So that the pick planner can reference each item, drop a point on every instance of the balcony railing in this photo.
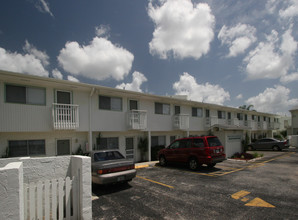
(137, 119)
(181, 122)
(65, 116)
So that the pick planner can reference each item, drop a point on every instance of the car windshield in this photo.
(111, 155)
(213, 142)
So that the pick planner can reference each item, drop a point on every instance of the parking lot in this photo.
(266, 188)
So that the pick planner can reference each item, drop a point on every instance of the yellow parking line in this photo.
(141, 166)
(172, 187)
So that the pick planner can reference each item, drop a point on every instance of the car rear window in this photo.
(111, 155)
(213, 142)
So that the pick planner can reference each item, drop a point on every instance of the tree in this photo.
(245, 107)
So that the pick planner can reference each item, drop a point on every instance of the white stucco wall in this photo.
(11, 191)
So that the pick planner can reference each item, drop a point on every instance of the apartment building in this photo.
(47, 117)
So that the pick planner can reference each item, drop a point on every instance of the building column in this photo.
(149, 145)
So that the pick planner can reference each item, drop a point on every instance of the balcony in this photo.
(65, 116)
(181, 122)
(137, 119)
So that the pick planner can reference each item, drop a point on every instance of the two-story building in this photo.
(46, 117)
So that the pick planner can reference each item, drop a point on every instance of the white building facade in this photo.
(48, 117)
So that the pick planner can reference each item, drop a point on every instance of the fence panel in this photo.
(50, 199)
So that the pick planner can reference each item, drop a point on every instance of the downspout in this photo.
(149, 145)
(90, 120)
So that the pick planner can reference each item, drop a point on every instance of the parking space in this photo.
(230, 190)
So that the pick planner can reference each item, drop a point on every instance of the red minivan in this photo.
(194, 151)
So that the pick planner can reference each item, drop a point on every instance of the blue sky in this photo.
(224, 52)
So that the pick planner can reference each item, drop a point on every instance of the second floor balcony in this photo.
(181, 122)
(137, 119)
(65, 116)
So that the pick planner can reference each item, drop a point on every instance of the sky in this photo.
(230, 52)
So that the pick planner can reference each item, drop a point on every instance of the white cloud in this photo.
(289, 78)
(240, 96)
(208, 93)
(73, 79)
(238, 38)
(290, 11)
(135, 85)
(43, 7)
(271, 60)
(102, 30)
(274, 100)
(57, 74)
(33, 62)
(99, 60)
(181, 29)
(42, 56)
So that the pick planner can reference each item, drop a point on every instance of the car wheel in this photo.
(162, 161)
(193, 164)
(211, 165)
(250, 148)
(275, 148)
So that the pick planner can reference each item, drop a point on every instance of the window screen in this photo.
(16, 94)
(26, 148)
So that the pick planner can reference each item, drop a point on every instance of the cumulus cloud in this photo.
(237, 38)
(33, 62)
(274, 100)
(290, 11)
(99, 60)
(57, 74)
(271, 59)
(182, 29)
(208, 93)
(135, 85)
(73, 79)
(43, 6)
(42, 56)
(289, 78)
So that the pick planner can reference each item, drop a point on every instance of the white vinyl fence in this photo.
(51, 199)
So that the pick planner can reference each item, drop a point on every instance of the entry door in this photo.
(129, 148)
(63, 147)
(133, 105)
(63, 97)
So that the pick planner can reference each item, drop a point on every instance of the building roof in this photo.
(66, 84)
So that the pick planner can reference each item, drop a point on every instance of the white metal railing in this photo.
(137, 119)
(52, 199)
(181, 122)
(65, 116)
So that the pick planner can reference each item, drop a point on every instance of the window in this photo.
(26, 148)
(198, 142)
(197, 112)
(221, 114)
(25, 95)
(245, 117)
(240, 116)
(265, 118)
(186, 143)
(161, 108)
(253, 117)
(177, 110)
(207, 112)
(110, 103)
(213, 142)
(229, 115)
(63, 97)
(107, 143)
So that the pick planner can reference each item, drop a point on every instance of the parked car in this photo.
(268, 144)
(194, 151)
(110, 166)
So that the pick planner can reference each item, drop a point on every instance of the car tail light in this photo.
(115, 169)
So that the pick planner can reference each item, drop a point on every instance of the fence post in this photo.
(81, 168)
(12, 191)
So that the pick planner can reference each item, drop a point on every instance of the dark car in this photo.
(110, 166)
(268, 144)
(194, 151)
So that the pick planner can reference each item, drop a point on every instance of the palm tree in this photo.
(245, 107)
